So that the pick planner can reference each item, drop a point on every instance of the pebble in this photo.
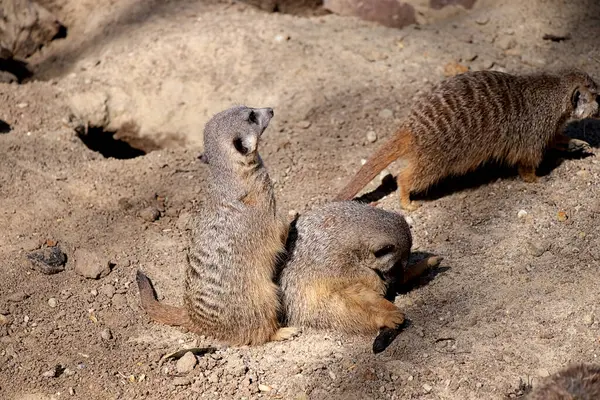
(479, 385)
(304, 124)
(186, 363)
(90, 264)
(48, 261)
(537, 248)
(108, 290)
(363, 161)
(71, 391)
(4, 320)
(293, 214)
(17, 297)
(281, 38)
(22, 105)
(264, 388)
(588, 319)
(522, 214)
(427, 387)
(52, 302)
(386, 113)
(106, 334)
(181, 381)
(371, 137)
(119, 301)
(506, 42)
(94, 292)
(50, 374)
(482, 20)
(543, 373)
(149, 214)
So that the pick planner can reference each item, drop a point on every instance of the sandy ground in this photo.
(517, 297)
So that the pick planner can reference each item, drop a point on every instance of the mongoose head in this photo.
(583, 95)
(579, 381)
(231, 137)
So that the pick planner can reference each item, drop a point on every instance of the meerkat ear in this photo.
(246, 144)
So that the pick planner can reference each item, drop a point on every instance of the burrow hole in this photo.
(122, 144)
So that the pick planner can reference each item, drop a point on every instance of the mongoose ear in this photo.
(203, 158)
(246, 144)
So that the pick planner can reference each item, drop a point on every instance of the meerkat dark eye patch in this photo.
(575, 98)
(239, 146)
(252, 118)
(384, 251)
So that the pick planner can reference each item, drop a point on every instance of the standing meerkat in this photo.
(237, 240)
(342, 259)
(479, 117)
(577, 382)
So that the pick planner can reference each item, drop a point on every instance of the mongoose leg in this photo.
(527, 173)
(405, 179)
(418, 269)
(564, 143)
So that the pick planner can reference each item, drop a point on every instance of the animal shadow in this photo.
(586, 129)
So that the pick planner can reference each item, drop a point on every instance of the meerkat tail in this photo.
(165, 314)
(397, 146)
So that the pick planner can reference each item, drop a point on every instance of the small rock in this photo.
(522, 214)
(186, 363)
(213, 378)
(427, 387)
(181, 381)
(119, 301)
(281, 38)
(4, 320)
(149, 214)
(51, 373)
(90, 265)
(68, 372)
(479, 385)
(17, 297)
(22, 105)
(588, 319)
(264, 388)
(363, 161)
(371, 137)
(94, 292)
(106, 334)
(304, 124)
(293, 214)
(332, 375)
(506, 42)
(386, 113)
(52, 302)
(482, 20)
(108, 290)
(543, 373)
(71, 391)
(562, 216)
(537, 248)
(49, 260)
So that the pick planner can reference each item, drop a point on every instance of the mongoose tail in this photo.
(165, 314)
(393, 149)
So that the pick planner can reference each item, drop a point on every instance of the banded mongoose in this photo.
(479, 117)
(576, 382)
(342, 259)
(237, 240)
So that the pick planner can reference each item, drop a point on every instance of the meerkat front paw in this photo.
(285, 333)
(579, 146)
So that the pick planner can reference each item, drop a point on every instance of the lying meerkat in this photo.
(238, 238)
(479, 117)
(577, 382)
(342, 259)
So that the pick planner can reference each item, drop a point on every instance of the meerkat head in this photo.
(583, 95)
(232, 136)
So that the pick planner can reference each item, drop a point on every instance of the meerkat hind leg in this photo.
(284, 334)
(527, 173)
(564, 143)
(404, 180)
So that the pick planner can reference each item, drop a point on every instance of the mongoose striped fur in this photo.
(342, 258)
(238, 239)
(479, 117)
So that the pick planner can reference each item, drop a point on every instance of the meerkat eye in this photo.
(239, 146)
(384, 251)
(252, 118)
